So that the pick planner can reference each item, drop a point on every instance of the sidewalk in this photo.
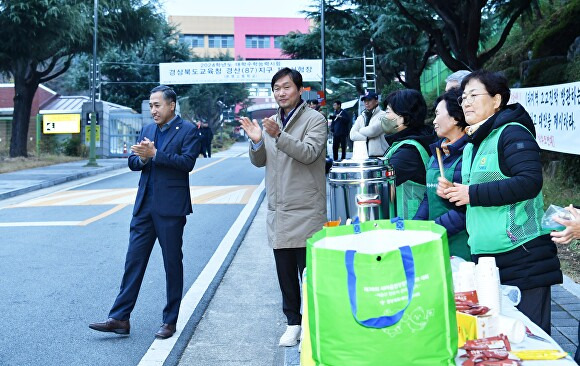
(29, 180)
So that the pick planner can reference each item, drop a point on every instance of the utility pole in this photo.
(92, 146)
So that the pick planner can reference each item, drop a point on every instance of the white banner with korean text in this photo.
(217, 72)
(555, 110)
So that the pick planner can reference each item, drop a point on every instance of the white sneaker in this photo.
(290, 336)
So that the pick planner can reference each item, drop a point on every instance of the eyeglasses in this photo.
(470, 98)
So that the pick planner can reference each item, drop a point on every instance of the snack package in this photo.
(548, 218)
(546, 354)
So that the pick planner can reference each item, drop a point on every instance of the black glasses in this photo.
(469, 99)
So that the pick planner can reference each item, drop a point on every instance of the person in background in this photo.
(450, 126)
(502, 189)
(313, 103)
(367, 126)
(207, 138)
(566, 236)
(339, 128)
(165, 155)
(202, 137)
(409, 148)
(454, 80)
(292, 147)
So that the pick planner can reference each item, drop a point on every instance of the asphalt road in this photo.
(62, 256)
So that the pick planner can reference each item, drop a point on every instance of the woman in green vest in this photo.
(450, 126)
(502, 189)
(409, 147)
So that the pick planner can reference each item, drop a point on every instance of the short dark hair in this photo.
(494, 82)
(313, 101)
(294, 75)
(168, 93)
(338, 102)
(409, 104)
(453, 109)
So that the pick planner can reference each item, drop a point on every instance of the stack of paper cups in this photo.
(464, 278)
(488, 284)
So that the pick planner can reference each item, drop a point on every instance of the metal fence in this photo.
(124, 132)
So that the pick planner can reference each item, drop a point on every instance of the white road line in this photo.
(39, 223)
(160, 349)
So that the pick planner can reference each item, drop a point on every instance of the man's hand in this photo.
(271, 127)
(458, 194)
(572, 230)
(144, 149)
(252, 128)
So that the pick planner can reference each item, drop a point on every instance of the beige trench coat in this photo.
(295, 179)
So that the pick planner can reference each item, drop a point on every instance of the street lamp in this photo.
(336, 80)
(92, 146)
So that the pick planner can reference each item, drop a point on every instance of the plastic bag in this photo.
(555, 211)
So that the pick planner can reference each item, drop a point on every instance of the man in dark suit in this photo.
(165, 154)
(340, 128)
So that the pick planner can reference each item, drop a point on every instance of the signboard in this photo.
(61, 123)
(216, 72)
(555, 110)
(97, 133)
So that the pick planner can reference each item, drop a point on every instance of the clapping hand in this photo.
(252, 128)
(271, 127)
(144, 149)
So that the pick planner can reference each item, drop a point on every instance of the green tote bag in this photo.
(381, 293)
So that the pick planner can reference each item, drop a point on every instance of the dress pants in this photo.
(146, 227)
(290, 265)
(338, 141)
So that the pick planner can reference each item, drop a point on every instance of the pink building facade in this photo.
(246, 38)
(250, 31)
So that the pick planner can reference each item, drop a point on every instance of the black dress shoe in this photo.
(112, 325)
(166, 331)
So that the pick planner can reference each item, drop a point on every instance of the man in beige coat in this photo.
(292, 147)
(367, 126)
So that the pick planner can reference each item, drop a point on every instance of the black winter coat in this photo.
(407, 160)
(341, 124)
(535, 263)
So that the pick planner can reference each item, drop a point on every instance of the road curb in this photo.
(168, 352)
(61, 180)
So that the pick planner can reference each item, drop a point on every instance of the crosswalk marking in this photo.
(126, 196)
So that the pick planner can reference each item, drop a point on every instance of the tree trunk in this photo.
(24, 90)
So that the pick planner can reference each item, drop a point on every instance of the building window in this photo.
(257, 41)
(257, 90)
(192, 40)
(221, 41)
(278, 41)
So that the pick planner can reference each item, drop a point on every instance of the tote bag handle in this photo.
(387, 320)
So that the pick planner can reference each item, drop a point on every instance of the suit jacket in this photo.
(173, 162)
(341, 123)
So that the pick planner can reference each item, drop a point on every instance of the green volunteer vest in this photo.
(501, 228)
(438, 206)
(409, 194)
